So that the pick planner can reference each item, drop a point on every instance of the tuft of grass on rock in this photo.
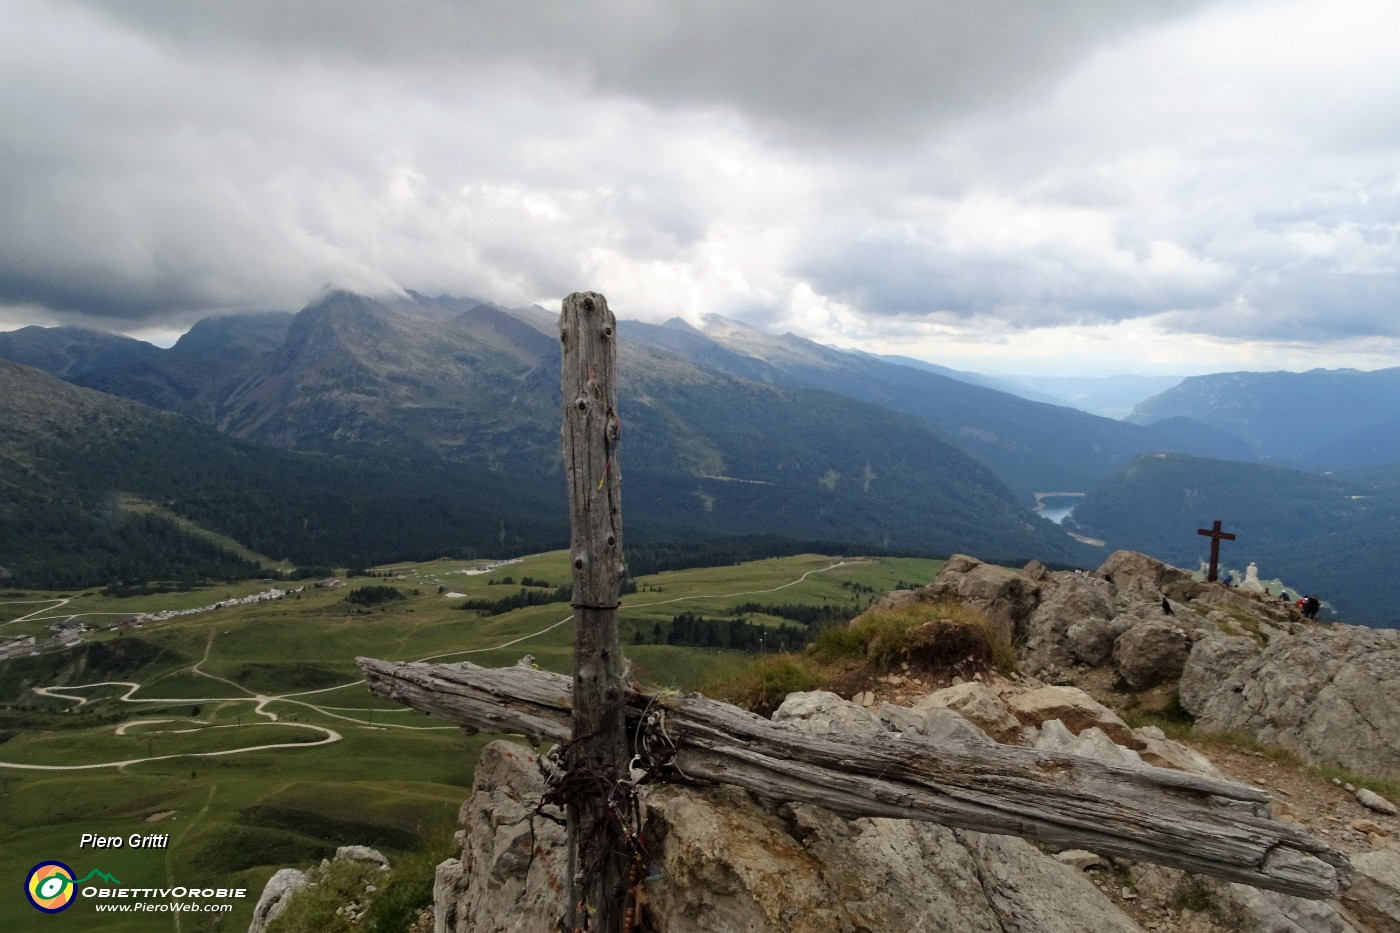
(928, 635)
(764, 684)
(322, 906)
(1171, 717)
(1193, 896)
(925, 636)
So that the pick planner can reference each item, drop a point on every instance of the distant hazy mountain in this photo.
(1337, 536)
(425, 389)
(214, 353)
(1109, 396)
(73, 353)
(1034, 447)
(1334, 419)
(977, 379)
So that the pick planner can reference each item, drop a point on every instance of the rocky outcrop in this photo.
(1237, 661)
(1007, 597)
(1210, 663)
(1116, 617)
(1151, 652)
(722, 860)
(1327, 692)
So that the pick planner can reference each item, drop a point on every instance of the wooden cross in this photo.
(1216, 536)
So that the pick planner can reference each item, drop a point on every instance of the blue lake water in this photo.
(1056, 508)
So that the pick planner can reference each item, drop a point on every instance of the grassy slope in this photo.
(397, 778)
(139, 506)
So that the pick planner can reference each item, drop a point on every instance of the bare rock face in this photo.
(720, 859)
(1211, 662)
(448, 883)
(1140, 578)
(1090, 743)
(1328, 693)
(1239, 662)
(1063, 619)
(1227, 906)
(511, 875)
(1163, 752)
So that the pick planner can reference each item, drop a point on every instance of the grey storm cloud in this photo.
(829, 67)
(1221, 168)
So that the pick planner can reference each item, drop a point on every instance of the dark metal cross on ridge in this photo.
(1216, 536)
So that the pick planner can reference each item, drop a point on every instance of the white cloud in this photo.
(1211, 176)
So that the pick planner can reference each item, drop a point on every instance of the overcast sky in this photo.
(1001, 185)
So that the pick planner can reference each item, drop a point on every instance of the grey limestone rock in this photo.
(1090, 743)
(823, 711)
(275, 896)
(976, 703)
(1374, 801)
(935, 722)
(1008, 597)
(362, 854)
(1072, 707)
(448, 882)
(1151, 652)
(946, 726)
(512, 867)
(1374, 896)
(1271, 912)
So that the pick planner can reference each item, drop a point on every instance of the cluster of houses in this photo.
(14, 647)
(65, 634)
(486, 568)
(70, 632)
(266, 596)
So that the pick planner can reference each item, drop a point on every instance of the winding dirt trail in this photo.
(262, 700)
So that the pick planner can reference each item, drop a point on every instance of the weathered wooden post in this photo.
(599, 857)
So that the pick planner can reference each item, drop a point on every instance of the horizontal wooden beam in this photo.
(1160, 815)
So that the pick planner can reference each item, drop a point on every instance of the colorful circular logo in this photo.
(50, 887)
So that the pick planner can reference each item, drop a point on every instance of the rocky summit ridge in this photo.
(1135, 632)
(1144, 632)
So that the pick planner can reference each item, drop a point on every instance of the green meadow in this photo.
(282, 673)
